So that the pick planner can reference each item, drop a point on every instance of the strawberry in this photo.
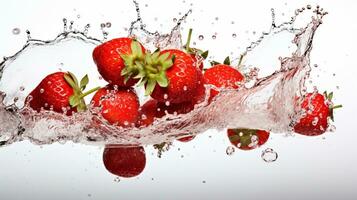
(223, 76)
(60, 92)
(148, 113)
(243, 138)
(186, 139)
(176, 75)
(116, 60)
(124, 161)
(196, 54)
(318, 110)
(118, 106)
(153, 109)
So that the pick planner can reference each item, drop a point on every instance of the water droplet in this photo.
(78, 16)
(42, 90)
(314, 121)
(108, 24)
(308, 7)
(214, 37)
(216, 18)
(102, 25)
(269, 155)
(117, 179)
(203, 181)
(166, 96)
(174, 20)
(230, 150)
(167, 103)
(22, 88)
(200, 37)
(234, 35)
(185, 88)
(16, 31)
(146, 5)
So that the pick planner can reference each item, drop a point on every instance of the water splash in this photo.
(257, 106)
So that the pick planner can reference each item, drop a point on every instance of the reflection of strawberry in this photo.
(222, 76)
(114, 56)
(124, 161)
(247, 139)
(315, 121)
(60, 92)
(148, 113)
(117, 105)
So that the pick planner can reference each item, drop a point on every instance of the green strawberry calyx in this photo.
(77, 99)
(329, 97)
(149, 68)
(243, 136)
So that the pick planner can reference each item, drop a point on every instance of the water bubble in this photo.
(269, 155)
(167, 103)
(174, 20)
(234, 35)
(102, 25)
(42, 90)
(314, 121)
(230, 150)
(78, 16)
(108, 24)
(200, 37)
(117, 179)
(214, 37)
(16, 31)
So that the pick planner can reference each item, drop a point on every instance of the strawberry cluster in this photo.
(174, 79)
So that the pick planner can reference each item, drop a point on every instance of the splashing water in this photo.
(267, 103)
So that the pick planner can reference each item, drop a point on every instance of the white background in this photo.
(307, 168)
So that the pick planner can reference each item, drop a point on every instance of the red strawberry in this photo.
(315, 122)
(118, 106)
(243, 138)
(114, 56)
(186, 139)
(222, 76)
(197, 55)
(60, 92)
(181, 78)
(124, 161)
(148, 113)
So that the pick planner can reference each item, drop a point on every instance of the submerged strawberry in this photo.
(124, 161)
(223, 76)
(60, 92)
(118, 106)
(315, 121)
(116, 60)
(247, 139)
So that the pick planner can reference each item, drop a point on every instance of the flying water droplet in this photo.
(200, 37)
(269, 155)
(117, 179)
(234, 35)
(16, 31)
(230, 150)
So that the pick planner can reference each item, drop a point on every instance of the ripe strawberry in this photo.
(116, 60)
(177, 79)
(60, 92)
(124, 161)
(186, 139)
(315, 121)
(196, 54)
(153, 109)
(222, 76)
(118, 106)
(148, 113)
(247, 139)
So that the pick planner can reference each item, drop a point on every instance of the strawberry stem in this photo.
(337, 106)
(188, 40)
(88, 92)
